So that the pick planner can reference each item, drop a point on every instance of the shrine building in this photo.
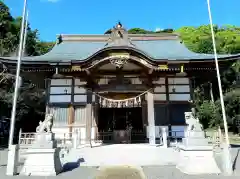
(100, 84)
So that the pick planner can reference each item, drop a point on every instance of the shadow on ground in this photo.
(235, 145)
(67, 167)
(235, 161)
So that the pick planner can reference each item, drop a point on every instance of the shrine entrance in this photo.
(120, 119)
(121, 125)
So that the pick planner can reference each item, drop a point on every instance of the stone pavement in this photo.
(152, 172)
(123, 154)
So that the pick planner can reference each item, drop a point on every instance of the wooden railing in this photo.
(130, 137)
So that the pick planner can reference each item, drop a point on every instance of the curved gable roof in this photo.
(154, 46)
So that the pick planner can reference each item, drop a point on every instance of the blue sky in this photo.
(53, 17)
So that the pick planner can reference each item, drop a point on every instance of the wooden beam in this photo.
(150, 71)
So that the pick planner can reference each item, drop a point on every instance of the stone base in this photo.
(42, 162)
(12, 162)
(197, 160)
(44, 140)
(195, 141)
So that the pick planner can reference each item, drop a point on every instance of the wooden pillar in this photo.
(89, 117)
(144, 115)
(70, 117)
(151, 120)
(168, 108)
(144, 111)
(94, 121)
(71, 108)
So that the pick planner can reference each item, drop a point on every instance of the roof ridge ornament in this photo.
(119, 25)
(119, 36)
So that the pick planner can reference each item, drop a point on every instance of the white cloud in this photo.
(158, 29)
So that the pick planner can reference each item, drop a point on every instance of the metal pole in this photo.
(15, 97)
(228, 157)
(211, 92)
(25, 34)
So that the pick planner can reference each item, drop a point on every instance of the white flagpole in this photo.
(15, 97)
(25, 34)
(227, 149)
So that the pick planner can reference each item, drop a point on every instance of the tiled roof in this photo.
(156, 47)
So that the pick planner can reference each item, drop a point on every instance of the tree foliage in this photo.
(31, 100)
(210, 112)
(30, 97)
(10, 34)
(199, 39)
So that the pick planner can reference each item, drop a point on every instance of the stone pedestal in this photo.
(197, 160)
(12, 162)
(195, 138)
(227, 165)
(43, 157)
(195, 154)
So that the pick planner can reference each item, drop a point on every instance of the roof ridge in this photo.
(105, 37)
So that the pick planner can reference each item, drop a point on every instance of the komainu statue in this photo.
(46, 125)
(193, 122)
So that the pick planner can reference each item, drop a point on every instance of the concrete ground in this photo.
(163, 162)
(123, 154)
(151, 172)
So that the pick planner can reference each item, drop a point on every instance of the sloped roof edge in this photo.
(69, 51)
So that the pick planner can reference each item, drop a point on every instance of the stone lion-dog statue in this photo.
(46, 125)
(192, 122)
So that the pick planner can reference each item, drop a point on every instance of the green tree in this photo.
(199, 39)
(30, 97)
(10, 33)
(139, 31)
(44, 47)
(7, 37)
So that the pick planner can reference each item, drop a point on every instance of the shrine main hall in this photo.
(103, 86)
